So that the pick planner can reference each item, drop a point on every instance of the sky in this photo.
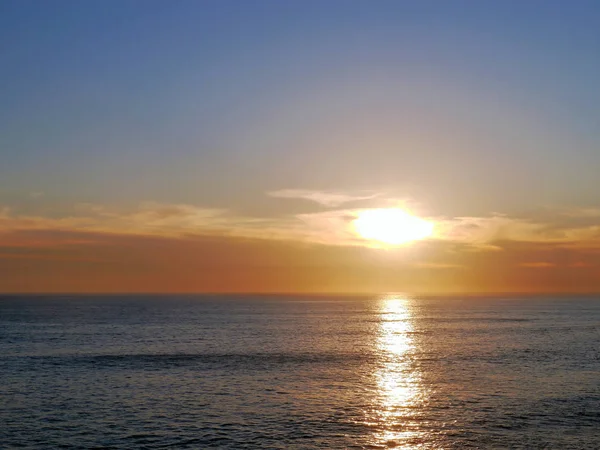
(227, 146)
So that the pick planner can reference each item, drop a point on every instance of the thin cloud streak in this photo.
(433, 265)
(329, 199)
(537, 265)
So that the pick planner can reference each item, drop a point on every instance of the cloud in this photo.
(581, 212)
(485, 231)
(537, 265)
(181, 220)
(580, 265)
(433, 265)
(329, 199)
(332, 227)
(148, 218)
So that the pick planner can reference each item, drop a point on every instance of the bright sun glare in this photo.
(391, 226)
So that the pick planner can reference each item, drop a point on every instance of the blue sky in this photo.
(217, 102)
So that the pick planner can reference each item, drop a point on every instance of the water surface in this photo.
(299, 372)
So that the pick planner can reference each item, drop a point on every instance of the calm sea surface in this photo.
(200, 372)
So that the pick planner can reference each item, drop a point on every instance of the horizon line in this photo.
(308, 294)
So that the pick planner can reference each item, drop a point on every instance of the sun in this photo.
(391, 226)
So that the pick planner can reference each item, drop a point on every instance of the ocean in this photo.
(299, 372)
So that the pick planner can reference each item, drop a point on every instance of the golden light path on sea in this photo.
(399, 384)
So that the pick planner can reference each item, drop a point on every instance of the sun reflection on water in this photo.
(399, 385)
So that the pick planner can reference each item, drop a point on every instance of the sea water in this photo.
(306, 372)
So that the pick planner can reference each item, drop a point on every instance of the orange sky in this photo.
(180, 249)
